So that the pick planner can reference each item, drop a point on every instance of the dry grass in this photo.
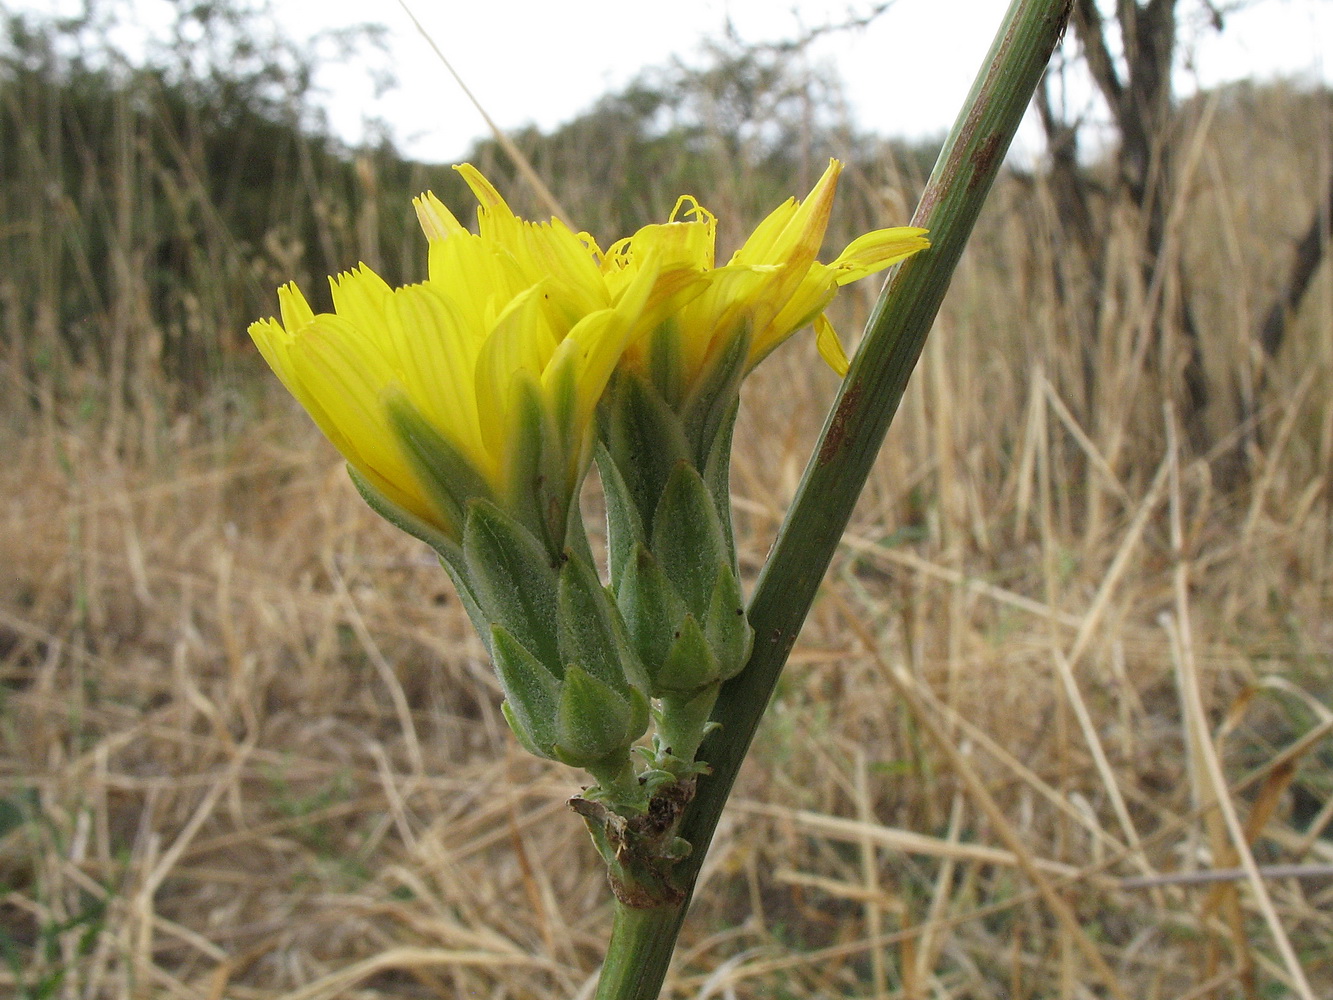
(1058, 674)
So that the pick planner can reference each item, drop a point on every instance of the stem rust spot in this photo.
(981, 160)
(837, 430)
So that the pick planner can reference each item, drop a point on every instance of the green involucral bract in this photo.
(673, 562)
(574, 689)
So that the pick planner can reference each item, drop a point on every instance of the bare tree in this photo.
(1135, 85)
(1128, 48)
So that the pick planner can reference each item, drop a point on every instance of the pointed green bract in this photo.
(683, 651)
(716, 472)
(651, 608)
(591, 632)
(525, 740)
(644, 439)
(563, 401)
(592, 721)
(512, 579)
(445, 475)
(624, 526)
(712, 404)
(538, 491)
(688, 539)
(404, 520)
(727, 630)
(532, 692)
(666, 363)
(456, 567)
(690, 664)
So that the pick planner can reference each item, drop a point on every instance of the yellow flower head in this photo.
(772, 286)
(482, 380)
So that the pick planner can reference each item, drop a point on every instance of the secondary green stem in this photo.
(642, 941)
(684, 719)
(617, 779)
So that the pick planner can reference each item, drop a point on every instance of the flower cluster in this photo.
(469, 408)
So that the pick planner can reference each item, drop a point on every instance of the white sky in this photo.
(907, 74)
(544, 61)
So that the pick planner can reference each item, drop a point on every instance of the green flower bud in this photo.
(575, 689)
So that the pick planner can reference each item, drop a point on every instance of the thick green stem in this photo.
(642, 941)
(639, 953)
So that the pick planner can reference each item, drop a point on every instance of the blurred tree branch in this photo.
(1310, 252)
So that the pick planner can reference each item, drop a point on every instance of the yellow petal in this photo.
(331, 363)
(495, 219)
(830, 347)
(361, 297)
(675, 243)
(521, 342)
(795, 231)
(273, 342)
(815, 291)
(438, 357)
(725, 310)
(793, 248)
(477, 278)
(761, 244)
(296, 312)
(877, 250)
(584, 361)
(552, 250)
(437, 222)
(484, 190)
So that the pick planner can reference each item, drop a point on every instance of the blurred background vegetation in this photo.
(248, 747)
